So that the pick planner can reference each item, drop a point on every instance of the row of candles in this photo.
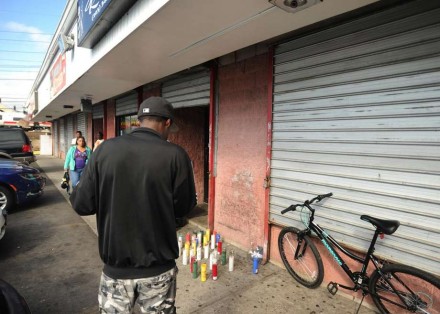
(200, 246)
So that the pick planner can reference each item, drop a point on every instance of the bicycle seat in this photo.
(384, 226)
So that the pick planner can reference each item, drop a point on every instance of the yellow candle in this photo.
(203, 272)
(208, 234)
(187, 245)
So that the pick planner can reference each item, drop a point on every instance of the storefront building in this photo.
(346, 102)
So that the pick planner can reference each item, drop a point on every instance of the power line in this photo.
(20, 60)
(18, 65)
(22, 51)
(26, 40)
(30, 66)
(17, 71)
(29, 13)
(8, 65)
(31, 33)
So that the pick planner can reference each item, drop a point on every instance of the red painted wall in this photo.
(191, 123)
(109, 116)
(240, 196)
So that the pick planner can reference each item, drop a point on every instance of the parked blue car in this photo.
(19, 183)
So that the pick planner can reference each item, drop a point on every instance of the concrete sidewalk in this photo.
(271, 290)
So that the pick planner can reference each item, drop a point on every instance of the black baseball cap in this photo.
(159, 107)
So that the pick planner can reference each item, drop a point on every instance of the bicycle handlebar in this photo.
(307, 203)
(290, 208)
(320, 197)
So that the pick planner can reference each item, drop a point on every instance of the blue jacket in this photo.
(70, 157)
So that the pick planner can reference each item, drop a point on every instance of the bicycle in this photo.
(394, 288)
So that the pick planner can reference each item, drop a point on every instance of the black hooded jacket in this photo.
(136, 184)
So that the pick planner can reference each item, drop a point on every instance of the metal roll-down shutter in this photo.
(356, 112)
(190, 90)
(56, 140)
(127, 104)
(98, 111)
(82, 123)
(70, 132)
(62, 139)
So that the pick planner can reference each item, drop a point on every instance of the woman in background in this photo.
(76, 159)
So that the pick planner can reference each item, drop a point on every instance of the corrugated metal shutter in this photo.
(127, 104)
(56, 140)
(70, 132)
(82, 123)
(357, 113)
(189, 91)
(98, 111)
(62, 139)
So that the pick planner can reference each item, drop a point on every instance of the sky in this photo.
(26, 29)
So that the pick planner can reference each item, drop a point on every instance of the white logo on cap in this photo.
(146, 110)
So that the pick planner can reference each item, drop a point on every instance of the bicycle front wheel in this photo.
(301, 258)
(405, 289)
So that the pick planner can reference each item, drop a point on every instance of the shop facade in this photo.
(348, 105)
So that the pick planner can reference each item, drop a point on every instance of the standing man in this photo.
(137, 184)
(77, 135)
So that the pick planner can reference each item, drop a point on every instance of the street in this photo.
(50, 256)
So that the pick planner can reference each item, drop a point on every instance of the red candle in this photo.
(193, 258)
(219, 247)
(214, 271)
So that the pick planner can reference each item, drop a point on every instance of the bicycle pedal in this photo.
(332, 287)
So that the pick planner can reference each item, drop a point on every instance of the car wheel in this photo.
(7, 200)
(2, 225)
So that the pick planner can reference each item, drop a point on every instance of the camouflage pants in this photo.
(153, 295)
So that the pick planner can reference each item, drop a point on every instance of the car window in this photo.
(11, 136)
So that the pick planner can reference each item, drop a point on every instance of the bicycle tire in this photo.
(420, 289)
(308, 269)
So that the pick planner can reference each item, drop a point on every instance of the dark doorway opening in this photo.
(193, 136)
(98, 126)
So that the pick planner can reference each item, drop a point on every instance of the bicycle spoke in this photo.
(301, 257)
(403, 289)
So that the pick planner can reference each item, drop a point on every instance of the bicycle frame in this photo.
(329, 243)
(358, 281)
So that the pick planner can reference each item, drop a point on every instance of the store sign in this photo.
(58, 75)
(89, 13)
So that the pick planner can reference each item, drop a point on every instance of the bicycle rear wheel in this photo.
(405, 289)
(307, 266)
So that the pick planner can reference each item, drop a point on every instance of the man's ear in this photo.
(168, 123)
